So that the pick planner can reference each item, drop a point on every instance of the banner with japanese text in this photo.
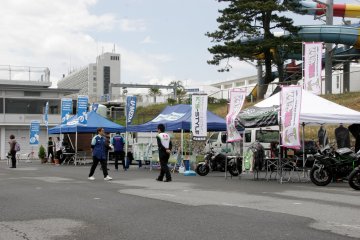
(312, 67)
(199, 117)
(66, 109)
(94, 107)
(130, 108)
(237, 98)
(290, 106)
(46, 117)
(34, 132)
(82, 104)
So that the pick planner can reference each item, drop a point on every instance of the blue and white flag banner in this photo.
(94, 107)
(199, 117)
(66, 109)
(130, 108)
(290, 106)
(34, 132)
(237, 98)
(46, 117)
(82, 104)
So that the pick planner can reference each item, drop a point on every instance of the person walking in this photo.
(118, 143)
(164, 146)
(50, 150)
(99, 152)
(12, 152)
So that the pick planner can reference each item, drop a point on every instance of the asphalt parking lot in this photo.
(42, 201)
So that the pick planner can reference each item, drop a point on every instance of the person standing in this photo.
(58, 149)
(118, 143)
(50, 150)
(99, 153)
(164, 146)
(342, 137)
(12, 152)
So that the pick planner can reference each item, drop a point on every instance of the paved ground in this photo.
(47, 202)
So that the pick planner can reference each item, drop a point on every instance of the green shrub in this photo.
(41, 153)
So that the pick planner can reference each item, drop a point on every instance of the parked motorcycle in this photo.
(354, 178)
(330, 164)
(216, 162)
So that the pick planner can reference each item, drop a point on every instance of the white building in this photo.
(247, 83)
(250, 82)
(94, 79)
(22, 101)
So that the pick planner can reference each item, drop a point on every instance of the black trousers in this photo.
(119, 155)
(51, 151)
(13, 159)
(94, 165)
(164, 169)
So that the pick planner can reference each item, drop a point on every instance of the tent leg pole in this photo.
(226, 162)
(151, 162)
(303, 143)
(76, 143)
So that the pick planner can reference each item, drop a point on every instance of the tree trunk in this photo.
(280, 67)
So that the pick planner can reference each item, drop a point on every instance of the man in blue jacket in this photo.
(99, 152)
(118, 142)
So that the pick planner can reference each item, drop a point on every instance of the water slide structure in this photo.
(348, 35)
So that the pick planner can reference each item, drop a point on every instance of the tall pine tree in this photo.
(245, 32)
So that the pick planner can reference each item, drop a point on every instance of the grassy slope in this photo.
(350, 100)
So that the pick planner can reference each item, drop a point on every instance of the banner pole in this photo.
(151, 158)
(126, 134)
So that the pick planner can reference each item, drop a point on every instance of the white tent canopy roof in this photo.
(317, 110)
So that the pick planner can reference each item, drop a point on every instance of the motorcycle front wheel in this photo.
(320, 176)
(202, 169)
(233, 169)
(354, 179)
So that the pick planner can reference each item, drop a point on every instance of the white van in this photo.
(264, 136)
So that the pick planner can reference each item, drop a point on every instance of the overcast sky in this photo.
(159, 40)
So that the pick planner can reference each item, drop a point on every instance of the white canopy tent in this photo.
(317, 110)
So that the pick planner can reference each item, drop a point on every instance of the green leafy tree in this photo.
(154, 92)
(180, 90)
(245, 32)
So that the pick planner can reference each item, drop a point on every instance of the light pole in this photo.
(328, 49)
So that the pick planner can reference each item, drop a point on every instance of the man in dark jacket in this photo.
(99, 152)
(118, 143)
(164, 146)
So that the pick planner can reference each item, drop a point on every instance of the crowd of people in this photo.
(101, 144)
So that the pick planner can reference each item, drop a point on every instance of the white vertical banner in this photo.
(312, 67)
(199, 117)
(290, 106)
(237, 98)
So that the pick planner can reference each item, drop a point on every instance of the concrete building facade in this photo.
(95, 78)
(24, 101)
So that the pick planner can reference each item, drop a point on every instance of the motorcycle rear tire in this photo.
(354, 179)
(202, 169)
(318, 177)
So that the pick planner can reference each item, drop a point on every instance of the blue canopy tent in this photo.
(94, 121)
(178, 118)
